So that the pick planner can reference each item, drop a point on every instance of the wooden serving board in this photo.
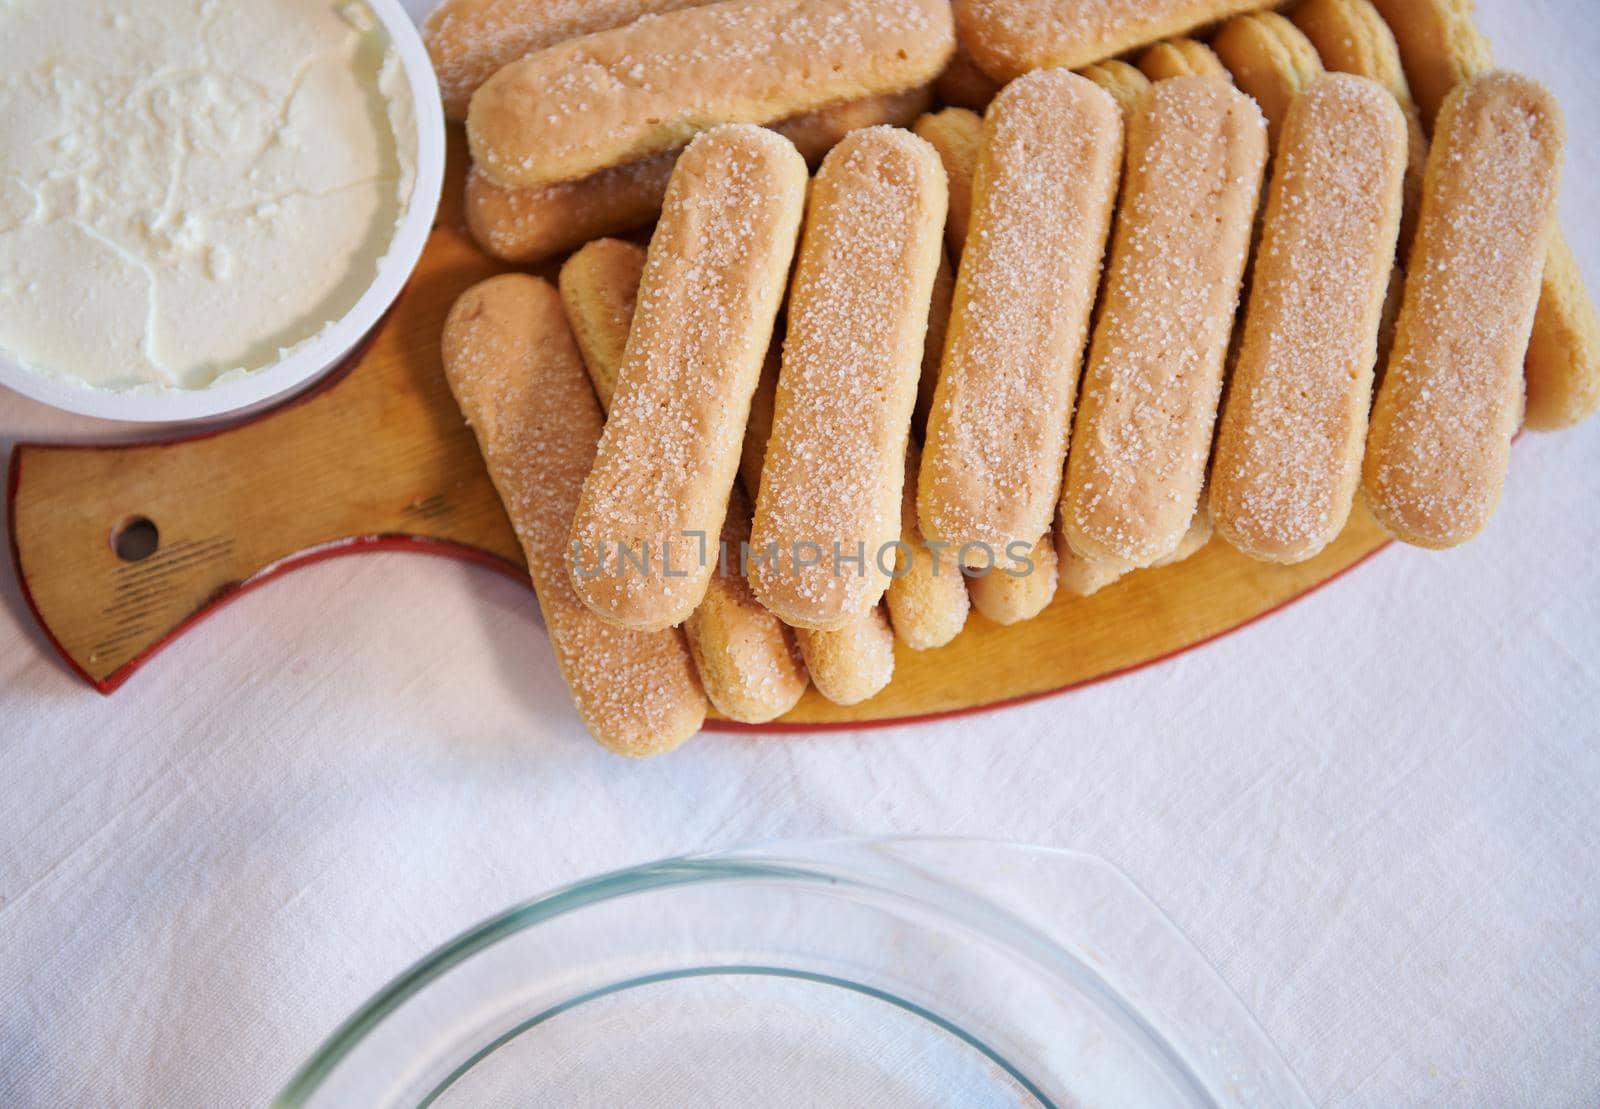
(378, 457)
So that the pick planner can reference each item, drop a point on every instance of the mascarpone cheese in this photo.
(191, 188)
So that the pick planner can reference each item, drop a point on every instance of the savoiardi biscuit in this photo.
(621, 95)
(1148, 405)
(1007, 38)
(469, 40)
(746, 658)
(1270, 60)
(1351, 37)
(997, 432)
(927, 596)
(1182, 57)
(1289, 443)
(529, 225)
(857, 320)
(712, 282)
(515, 370)
(1451, 397)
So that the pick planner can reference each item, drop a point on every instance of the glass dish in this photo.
(857, 973)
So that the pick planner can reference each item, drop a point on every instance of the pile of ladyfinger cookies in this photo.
(1197, 266)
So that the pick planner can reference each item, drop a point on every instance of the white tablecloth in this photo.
(1374, 811)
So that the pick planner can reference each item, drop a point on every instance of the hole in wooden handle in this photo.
(135, 539)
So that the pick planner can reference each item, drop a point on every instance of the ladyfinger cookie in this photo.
(818, 131)
(712, 283)
(747, 659)
(758, 429)
(1007, 38)
(527, 226)
(599, 287)
(1201, 529)
(1196, 150)
(1083, 577)
(964, 85)
(1563, 363)
(1288, 451)
(853, 660)
(1017, 589)
(927, 597)
(997, 434)
(469, 40)
(515, 371)
(1182, 57)
(1441, 47)
(1452, 396)
(1080, 576)
(1351, 37)
(1125, 83)
(944, 291)
(628, 93)
(857, 318)
(1270, 60)
(956, 134)
(854, 663)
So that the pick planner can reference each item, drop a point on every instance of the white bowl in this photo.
(315, 357)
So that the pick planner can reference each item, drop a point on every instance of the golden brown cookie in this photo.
(1440, 46)
(469, 40)
(853, 663)
(1270, 60)
(747, 660)
(927, 596)
(1017, 589)
(710, 292)
(1080, 576)
(599, 285)
(1563, 363)
(1201, 529)
(1182, 57)
(1351, 37)
(854, 660)
(617, 96)
(1289, 444)
(528, 226)
(516, 373)
(1452, 395)
(1008, 38)
(956, 134)
(758, 429)
(1125, 83)
(1084, 577)
(964, 85)
(1149, 400)
(857, 320)
(944, 291)
(997, 432)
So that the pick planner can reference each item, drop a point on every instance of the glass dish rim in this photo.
(781, 859)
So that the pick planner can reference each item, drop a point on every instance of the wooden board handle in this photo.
(120, 547)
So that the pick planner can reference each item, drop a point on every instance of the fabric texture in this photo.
(1374, 811)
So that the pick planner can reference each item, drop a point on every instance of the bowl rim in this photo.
(831, 862)
(321, 352)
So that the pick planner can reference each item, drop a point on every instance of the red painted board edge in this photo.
(478, 557)
(461, 552)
